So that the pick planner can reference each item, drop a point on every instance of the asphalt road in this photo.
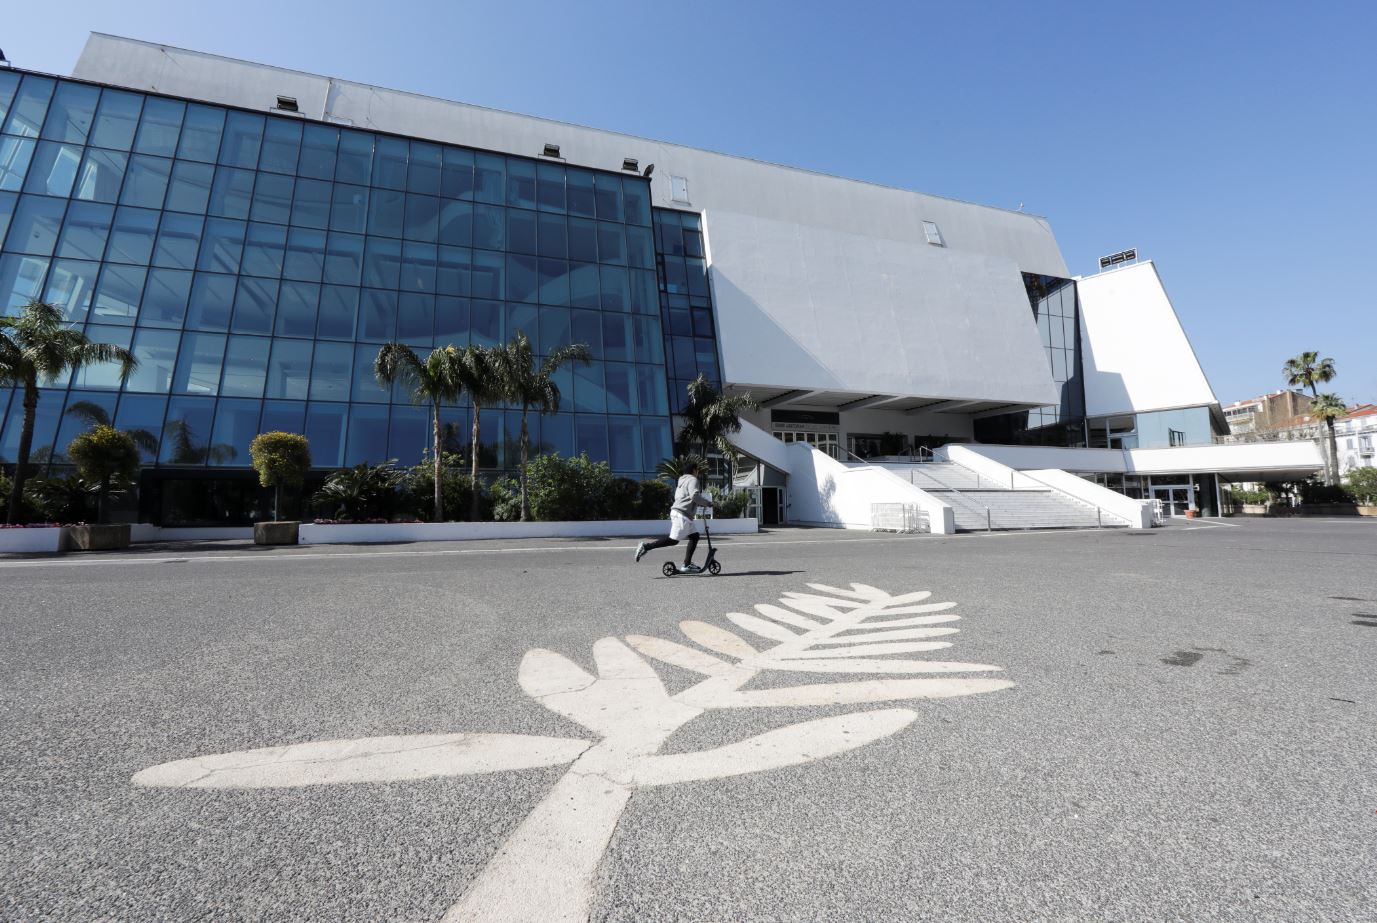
(1192, 733)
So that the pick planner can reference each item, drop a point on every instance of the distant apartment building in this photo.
(1266, 413)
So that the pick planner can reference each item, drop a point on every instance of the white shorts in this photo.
(680, 526)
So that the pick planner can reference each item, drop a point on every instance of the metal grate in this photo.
(898, 517)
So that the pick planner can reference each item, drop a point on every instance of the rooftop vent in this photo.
(933, 234)
(551, 150)
(631, 164)
(287, 104)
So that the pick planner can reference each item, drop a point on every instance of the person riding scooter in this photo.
(688, 495)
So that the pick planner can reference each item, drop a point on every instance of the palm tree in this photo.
(676, 467)
(481, 377)
(179, 438)
(1327, 407)
(532, 385)
(710, 417)
(1306, 371)
(38, 345)
(434, 381)
(93, 415)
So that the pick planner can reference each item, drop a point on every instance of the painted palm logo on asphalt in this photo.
(545, 870)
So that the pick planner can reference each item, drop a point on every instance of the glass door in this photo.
(1175, 498)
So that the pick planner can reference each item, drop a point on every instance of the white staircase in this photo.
(980, 503)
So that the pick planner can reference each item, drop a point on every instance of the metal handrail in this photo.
(967, 503)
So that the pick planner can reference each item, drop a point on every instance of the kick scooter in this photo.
(710, 566)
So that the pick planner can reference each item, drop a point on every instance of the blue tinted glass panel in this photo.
(15, 154)
(156, 351)
(456, 177)
(523, 318)
(553, 238)
(281, 146)
(311, 204)
(424, 174)
(145, 182)
(589, 393)
(186, 435)
(74, 424)
(21, 280)
(382, 263)
(339, 305)
(100, 177)
(640, 247)
(554, 282)
(188, 190)
(422, 218)
(272, 198)
(377, 315)
(611, 243)
(522, 278)
(198, 365)
(331, 372)
(389, 163)
(644, 292)
(9, 85)
(243, 137)
(387, 213)
(636, 196)
(521, 183)
(583, 240)
(454, 269)
(29, 107)
(8, 201)
(451, 321)
(410, 435)
(236, 423)
(255, 303)
(655, 441)
(591, 437)
(489, 177)
(165, 297)
(296, 309)
(305, 259)
(349, 208)
(71, 286)
(485, 319)
(550, 187)
(132, 236)
(159, 127)
(416, 319)
(117, 120)
(289, 369)
(318, 146)
(367, 435)
(179, 240)
(608, 193)
(263, 250)
(582, 201)
(85, 231)
(455, 223)
(623, 444)
(222, 245)
(587, 329)
(326, 425)
(488, 272)
(283, 417)
(418, 267)
(555, 330)
(489, 226)
(106, 375)
(556, 435)
(343, 259)
(201, 131)
(212, 298)
(584, 288)
(366, 387)
(246, 363)
(521, 231)
(142, 414)
(35, 224)
(650, 390)
(232, 193)
(355, 161)
(53, 169)
(616, 337)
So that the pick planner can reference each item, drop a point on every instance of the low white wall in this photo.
(1137, 513)
(1235, 457)
(824, 492)
(367, 533)
(1025, 457)
(996, 472)
(31, 540)
(145, 532)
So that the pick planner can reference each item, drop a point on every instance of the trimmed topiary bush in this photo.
(106, 457)
(282, 460)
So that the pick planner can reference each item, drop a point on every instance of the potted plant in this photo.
(281, 460)
(107, 459)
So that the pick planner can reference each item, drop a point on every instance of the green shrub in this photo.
(654, 501)
(67, 499)
(505, 496)
(568, 489)
(6, 485)
(623, 499)
(456, 490)
(1315, 492)
(1362, 485)
(107, 458)
(362, 492)
(728, 504)
(1260, 495)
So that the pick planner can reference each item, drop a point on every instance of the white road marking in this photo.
(545, 871)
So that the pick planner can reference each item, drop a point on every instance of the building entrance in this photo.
(1175, 498)
(823, 442)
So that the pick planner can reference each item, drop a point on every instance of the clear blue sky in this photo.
(1234, 143)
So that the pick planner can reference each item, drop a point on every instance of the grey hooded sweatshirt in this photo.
(688, 496)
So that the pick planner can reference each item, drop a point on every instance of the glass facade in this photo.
(254, 263)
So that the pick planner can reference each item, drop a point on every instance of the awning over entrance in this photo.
(843, 401)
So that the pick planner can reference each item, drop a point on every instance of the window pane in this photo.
(35, 225)
(263, 250)
(15, 154)
(490, 178)
(587, 329)
(637, 199)
(159, 127)
(611, 243)
(118, 295)
(553, 238)
(332, 370)
(8, 200)
(645, 297)
(325, 429)
(242, 139)
(554, 330)
(145, 183)
(554, 282)
(156, 351)
(418, 267)
(521, 191)
(201, 133)
(616, 295)
(451, 321)
(655, 441)
(608, 191)
(640, 248)
(389, 163)
(296, 309)
(131, 238)
(255, 302)
(289, 369)
(222, 245)
(343, 259)
(489, 226)
(30, 106)
(454, 271)
(100, 177)
(305, 259)
(338, 307)
(349, 208)
(550, 187)
(524, 318)
(212, 297)
(410, 434)
(488, 273)
(186, 435)
(583, 240)
(71, 286)
(382, 263)
(424, 175)
(584, 288)
(85, 231)
(378, 315)
(416, 319)
(165, 298)
(189, 188)
(522, 278)
(422, 218)
(179, 240)
(355, 161)
(556, 434)
(246, 361)
(232, 193)
(387, 213)
(455, 223)
(366, 387)
(591, 436)
(624, 444)
(74, 424)
(106, 375)
(456, 177)
(616, 337)
(318, 144)
(236, 423)
(581, 199)
(143, 413)
(589, 393)
(53, 169)
(311, 204)
(367, 435)
(485, 327)
(521, 231)
(281, 145)
(272, 198)
(650, 391)
(198, 366)
(21, 280)
(116, 120)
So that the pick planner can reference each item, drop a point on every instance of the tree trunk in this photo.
(21, 467)
(439, 505)
(1333, 454)
(100, 500)
(525, 454)
(277, 502)
(476, 508)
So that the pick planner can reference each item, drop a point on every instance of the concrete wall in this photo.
(1268, 461)
(1135, 353)
(824, 492)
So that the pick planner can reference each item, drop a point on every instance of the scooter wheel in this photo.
(669, 570)
(715, 568)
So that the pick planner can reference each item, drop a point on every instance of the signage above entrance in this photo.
(810, 417)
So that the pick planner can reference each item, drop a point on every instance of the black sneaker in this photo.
(640, 552)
